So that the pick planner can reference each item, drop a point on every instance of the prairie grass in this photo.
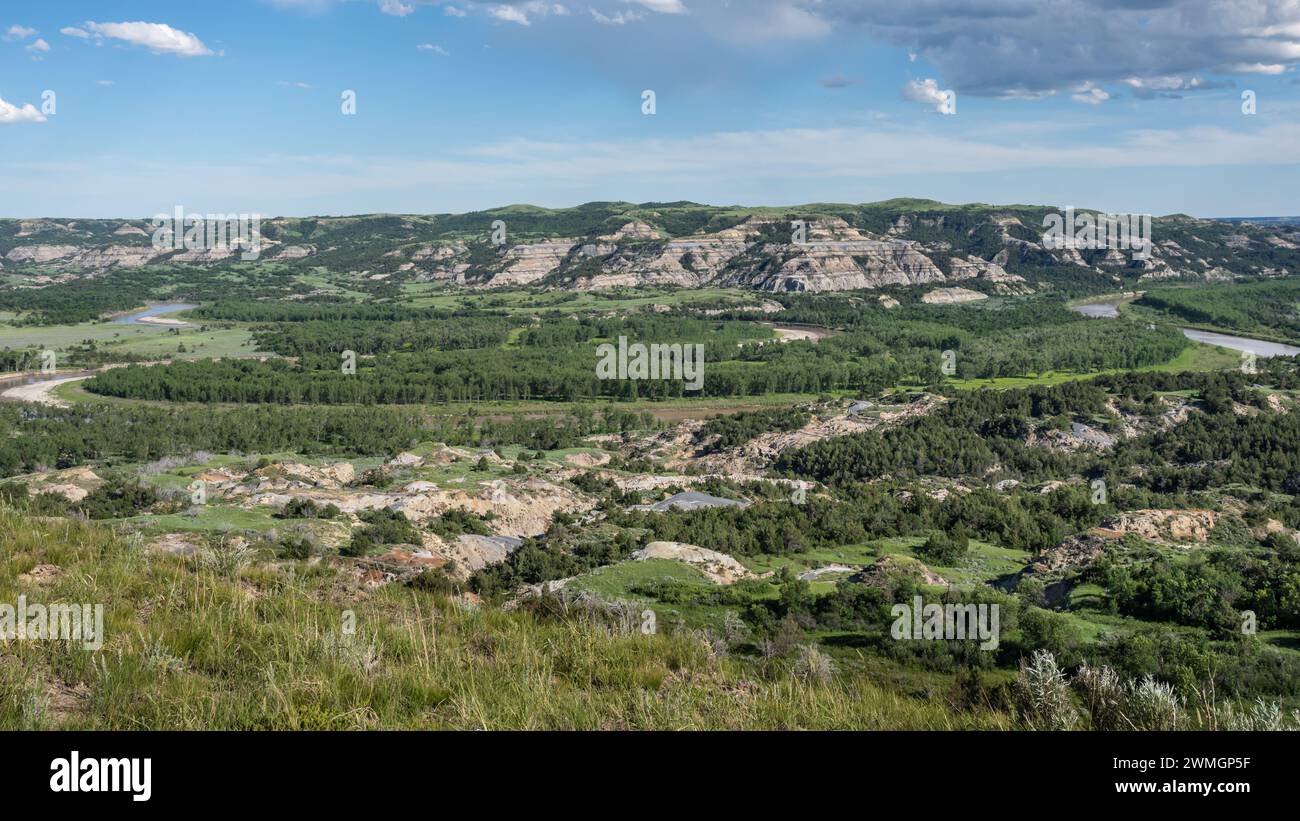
(228, 639)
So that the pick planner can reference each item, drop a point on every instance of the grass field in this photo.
(61, 336)
(137, 338)
(1195, 357)
(624, 580)
(983, 563)
(231, 642)
(209, 518)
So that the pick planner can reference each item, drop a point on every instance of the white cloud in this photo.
(995, 47)
(1089, 94)
(39, 45)
(288, 84)
(510, 14)
(1170, 86)
(395, 8)
(73, 31)
(157, 37)
(103, 82)
(618, 18)
(661, 6)
(436, 49)
(19, 32)
(926, 91)
(523, 13)
(10, 114)
(1168, 83)
(1255, 68)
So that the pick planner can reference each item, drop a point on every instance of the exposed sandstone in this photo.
(952, 296)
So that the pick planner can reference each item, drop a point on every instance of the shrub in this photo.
(944, 548)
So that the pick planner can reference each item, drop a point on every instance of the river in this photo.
(152, 310)
(1258, 347)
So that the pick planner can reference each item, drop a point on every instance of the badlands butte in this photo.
(400, 417)
(683, 245)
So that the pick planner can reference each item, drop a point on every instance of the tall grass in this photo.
(226, 640)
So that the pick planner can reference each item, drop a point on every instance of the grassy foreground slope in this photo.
(223, 640)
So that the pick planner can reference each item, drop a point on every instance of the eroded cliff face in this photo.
(977, 247)
(840, 266)
(525, 264)
(832, 256)
(89, 259)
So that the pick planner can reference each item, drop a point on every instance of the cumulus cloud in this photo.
(519, 12)
(11, 114)
(17, 32)
(73, 31)
(436, 49)
(1011, 49)
(1001, 47)
(39, 45)
(157, 37)
(395, 8)
(510, 14)
(1090, 94)
(927, 91)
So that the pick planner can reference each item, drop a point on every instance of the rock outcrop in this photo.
(1163, 525)
(1073, 553)
(952, 296)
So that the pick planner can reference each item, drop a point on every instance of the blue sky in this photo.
(1125, 105)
